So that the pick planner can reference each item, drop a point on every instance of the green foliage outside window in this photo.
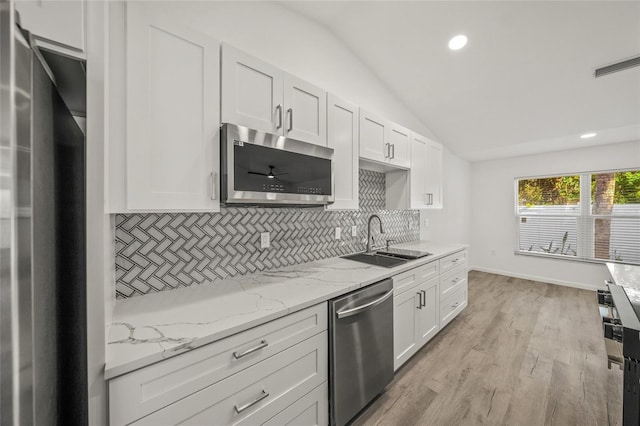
(565, 190)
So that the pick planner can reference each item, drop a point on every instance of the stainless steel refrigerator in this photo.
(42, 241)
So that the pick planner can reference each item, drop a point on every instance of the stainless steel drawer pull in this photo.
(393, 151)
(263, 344)
(387, 153)
(424, 298)
(455, 261)
(455, 280)
(358, 309)
(279, 110)
(290, 111)
(455, 305)
(419, 299)
(262, 396)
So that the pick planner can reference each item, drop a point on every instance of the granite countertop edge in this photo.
(154, 327)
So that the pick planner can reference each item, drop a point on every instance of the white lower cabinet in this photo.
(310, 410)
(415, 319)
(247, 378)
(425, 300)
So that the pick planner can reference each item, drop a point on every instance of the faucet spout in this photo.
(373, 216)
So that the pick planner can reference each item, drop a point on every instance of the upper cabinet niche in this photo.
(260, 96)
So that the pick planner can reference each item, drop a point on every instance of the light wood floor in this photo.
(521, 353)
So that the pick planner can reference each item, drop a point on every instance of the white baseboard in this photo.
(582, 286)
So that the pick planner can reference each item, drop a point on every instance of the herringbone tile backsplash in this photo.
(163, 251)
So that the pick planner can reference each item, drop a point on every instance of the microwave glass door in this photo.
(258, 168)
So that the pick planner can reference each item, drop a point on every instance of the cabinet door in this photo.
(418, 173)
(58, 25)
(172, 114)
(343, 137)
(305, 111)
(373, 137)
(311, 409)
(251, 92)
(433, 179)
(428, 318)
(400, 140)
(405, 326)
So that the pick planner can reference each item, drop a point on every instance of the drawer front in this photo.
(144, 391)
(309, 410)
(452, 261)
(254, 395)
(406, 280)
(452, 304)
(450, 280)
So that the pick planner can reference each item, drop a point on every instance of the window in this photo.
(586, 216)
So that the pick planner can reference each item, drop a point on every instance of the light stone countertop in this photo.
(150, 328)
(625, 275)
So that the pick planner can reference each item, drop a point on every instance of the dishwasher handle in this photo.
(358, 309)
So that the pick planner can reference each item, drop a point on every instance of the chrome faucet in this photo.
(373, 216)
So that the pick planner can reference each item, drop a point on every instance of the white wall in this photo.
(451, 224)
(493, 224)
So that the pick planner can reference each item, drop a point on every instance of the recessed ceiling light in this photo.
(458, 42)
(587, 135)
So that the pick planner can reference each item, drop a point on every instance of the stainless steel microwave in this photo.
(263, 168)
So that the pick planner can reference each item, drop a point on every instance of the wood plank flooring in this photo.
(521, 353)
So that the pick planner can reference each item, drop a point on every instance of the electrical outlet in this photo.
(426, 222)
(354, 231)
(338, 232)
(265, 240)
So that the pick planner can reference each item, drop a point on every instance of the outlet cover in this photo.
(354, 231)
(265, 240)
(338, 233)
(426, 221)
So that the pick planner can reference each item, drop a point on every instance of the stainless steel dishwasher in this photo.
(361, 349)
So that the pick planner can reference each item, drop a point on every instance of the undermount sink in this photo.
(376, 259)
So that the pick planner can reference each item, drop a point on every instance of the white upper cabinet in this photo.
(260, 96)
(252, 91)
(343, 136)
(306, 111)
(173, 135)
(57, 25)
(426, 173)
(373, 137)
(384, 141)
(399, 141)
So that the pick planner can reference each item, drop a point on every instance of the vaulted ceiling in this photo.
(523, 84)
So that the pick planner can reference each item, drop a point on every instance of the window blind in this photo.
(586, 216)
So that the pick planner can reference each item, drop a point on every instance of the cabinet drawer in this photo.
(452, 261)
(452, 304)
(144, 391)
(407, 280)
(309, 410)
(255, 394)
(450, 280)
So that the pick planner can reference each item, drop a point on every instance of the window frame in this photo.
(585, 220)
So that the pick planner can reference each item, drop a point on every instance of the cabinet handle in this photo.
(454, 261)
(419, 300)
(393, 151)
(429, 199)
(455, 305)
(387, 150)
(263, 344)
(262, 396)
(279, 111)
(212, 185)
(290, 112)
(455, 280)
(424, 298)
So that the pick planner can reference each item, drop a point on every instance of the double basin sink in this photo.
(384, 258)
